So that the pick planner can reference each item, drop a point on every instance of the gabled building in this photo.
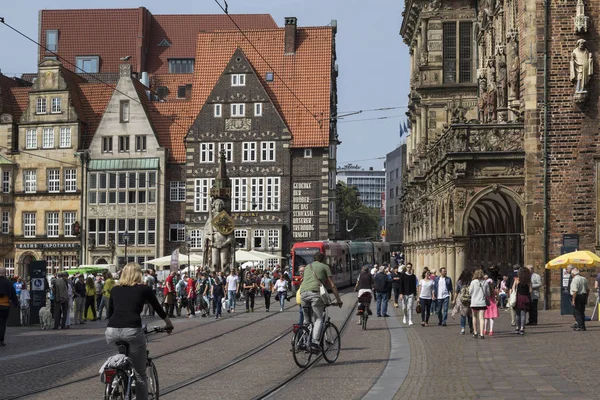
(125, 180)
(267, 106)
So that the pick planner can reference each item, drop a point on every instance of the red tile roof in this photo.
(20, 100)
(6, 84)
(172, 120)
(172, 82)
(92, 101)
(182, 32)
(307, 73)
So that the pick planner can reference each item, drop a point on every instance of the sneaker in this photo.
(404, 320)
(358, 322)
(462, 331)
(521, 332)
(385, 315)
(410, 322)
(281, 310)
(444, 324)
(315, 348)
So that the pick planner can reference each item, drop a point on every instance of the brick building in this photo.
(502, 162)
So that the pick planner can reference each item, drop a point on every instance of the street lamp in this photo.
(125, 238)
(187, 245)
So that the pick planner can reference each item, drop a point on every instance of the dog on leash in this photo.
(46, 319)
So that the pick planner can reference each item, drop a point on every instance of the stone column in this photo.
(450, 263)
(460, 249)
(442, 257)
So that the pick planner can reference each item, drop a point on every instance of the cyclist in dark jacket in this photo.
(382, 288)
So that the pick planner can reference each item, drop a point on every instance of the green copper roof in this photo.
(4, 160)
(124, 164)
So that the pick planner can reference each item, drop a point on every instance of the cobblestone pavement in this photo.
(549, 361)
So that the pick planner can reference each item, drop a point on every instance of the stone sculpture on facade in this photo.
(582, 68)
(514, 71)
(502, 77)
(581, 20)
(218, 240)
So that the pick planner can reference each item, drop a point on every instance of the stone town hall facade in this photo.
(502, 161)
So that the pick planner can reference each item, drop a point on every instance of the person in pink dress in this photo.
(491, 312)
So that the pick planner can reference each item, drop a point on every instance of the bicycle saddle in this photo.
(123, 347)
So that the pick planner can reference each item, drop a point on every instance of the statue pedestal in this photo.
(580, 97)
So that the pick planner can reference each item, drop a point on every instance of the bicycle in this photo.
(364, 309)
(120, 380)
(329, 340)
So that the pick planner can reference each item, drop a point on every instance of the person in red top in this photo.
(170, 297)
(190, 291)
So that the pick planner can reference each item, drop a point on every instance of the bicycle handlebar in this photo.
(156, 329)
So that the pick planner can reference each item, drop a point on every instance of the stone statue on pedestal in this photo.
(582, 68)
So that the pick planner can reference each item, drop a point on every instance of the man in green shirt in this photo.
(315, 273)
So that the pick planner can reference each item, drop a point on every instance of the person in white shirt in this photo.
(426, 296)
(233, 283)
(443, 294)
(24, 298)
(281, 286)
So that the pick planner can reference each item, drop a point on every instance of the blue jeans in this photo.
(300, 315)
(464, 320)
(231, 299)
(282, 297)
(217, 305)
(382, 303)
(442, 309)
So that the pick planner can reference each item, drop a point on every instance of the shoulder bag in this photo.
(512, 300)
(487, 298)
(322, 290)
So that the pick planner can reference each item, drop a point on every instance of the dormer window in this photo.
(238, 80)
(41, 106)
(52, 40)
(56, 105)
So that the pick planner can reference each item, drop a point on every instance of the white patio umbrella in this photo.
(244, 255)
(265, 256)
(183, 259)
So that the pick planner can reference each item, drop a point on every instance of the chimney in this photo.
(290, 35)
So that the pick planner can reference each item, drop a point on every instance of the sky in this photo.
(372, 58)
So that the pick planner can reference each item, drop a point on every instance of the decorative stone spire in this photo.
(581, 20)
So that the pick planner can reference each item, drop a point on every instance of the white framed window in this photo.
(29, 224)
(151, 232)
(207, 152)
(201, 189)
(107, 144)
(52, 264)
(70, 180)
(30, 178)
(273, 189)
(238, 110)
(228, 147)
(41, 106)
(241, 238)
(257, 193)
(89, 64)
(124, 111)
(249, 152)
(65, 137)
(52, 40)
(152, 187)
(307, 153)
(31, 139)
(140, 142)
(332, 176)
(48, 138)
(196, 239)
(52, 224)
(258, 239)
(181, 65)
(218, 110)
(5, 222)
(6, 181)
(70, 262)
(238, 80)
(240, 194)
(56, 105)
(9, 264)
(123, 144)
(53, 180)
(267, 151)
(273, 238)
(68, 221)
(258, 109)
(177, 232)
(177, 191)
(122, 187)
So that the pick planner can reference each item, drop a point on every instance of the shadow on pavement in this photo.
(376, 361)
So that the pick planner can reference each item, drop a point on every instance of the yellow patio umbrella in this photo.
(581, 257)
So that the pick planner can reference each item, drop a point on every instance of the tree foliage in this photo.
(362, 221)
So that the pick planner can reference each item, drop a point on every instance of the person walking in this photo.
(381, 284)
(266, 285)
(71, 296)
(79, 300)
(99, 286)
(479, 291)
(249, 291)
(462, 303)
(510, 283)
(395, 285)
(24, 303)
(408, 292)
(191, 297)
(217, 291)
(233, 284)
(491, 312)
(170, 294)
(503, 293)
(522, 285)
(61, 300)
(579, 291)
(90, 298)
(107, 288)
(536, 284)
(8, 295)
(281, 287)
(426, 297)
(442, 288)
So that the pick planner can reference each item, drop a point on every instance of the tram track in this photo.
(165, 354)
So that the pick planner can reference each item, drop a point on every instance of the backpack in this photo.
(465, 295)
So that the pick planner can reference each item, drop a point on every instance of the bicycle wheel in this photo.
(365, 317)
(117, 389)
(330, 343)
(153, 389)
(301, 347)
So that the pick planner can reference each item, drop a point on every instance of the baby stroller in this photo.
(203, 307)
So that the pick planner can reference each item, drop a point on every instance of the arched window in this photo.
(196, 239)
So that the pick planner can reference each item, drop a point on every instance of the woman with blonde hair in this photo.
(480, 291)
(126, 303)
(90, 297)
